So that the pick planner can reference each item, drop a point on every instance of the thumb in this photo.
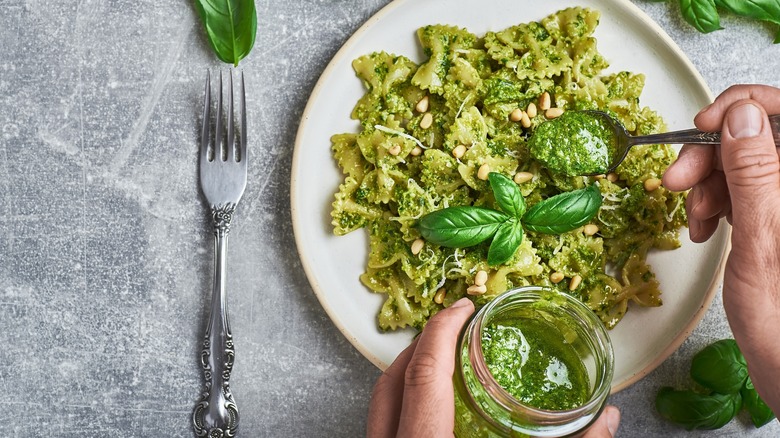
(606, 425)
(749, 157)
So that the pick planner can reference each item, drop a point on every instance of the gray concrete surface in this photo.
(105, 253)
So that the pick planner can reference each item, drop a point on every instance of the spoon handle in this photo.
(698, 137)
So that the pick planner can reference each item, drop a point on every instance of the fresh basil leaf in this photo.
(766, 10)
(505, 243)
(697, 411)
(564, 212)
(760, 414)
(507, 194)
(720, 367)
(460, 227)
(230, 26)
(701, 14)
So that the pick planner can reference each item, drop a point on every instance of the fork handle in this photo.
(217, 414)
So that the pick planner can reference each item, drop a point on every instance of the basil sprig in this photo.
(460, 227)
(704, 15)
(230, 25)
(464, 226)
(722, 370)
(563, 212)
(697, 411)
(720, 367)
(760, 414)
(505, 242)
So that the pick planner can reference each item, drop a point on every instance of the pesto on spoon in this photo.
(593, 143)
(576, 143)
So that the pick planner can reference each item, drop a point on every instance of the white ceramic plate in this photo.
(689, 276)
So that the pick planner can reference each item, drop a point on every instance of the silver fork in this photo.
(222, 179)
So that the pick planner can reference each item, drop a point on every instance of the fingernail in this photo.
(460, 303)
(705, 109)
(693, 229)
(694, 198)
(613, 420)
(745, 121)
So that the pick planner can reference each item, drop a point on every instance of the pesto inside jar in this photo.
(532, 361)
(576, 143)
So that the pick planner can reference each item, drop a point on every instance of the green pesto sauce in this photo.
(529, 359)
(576, 143)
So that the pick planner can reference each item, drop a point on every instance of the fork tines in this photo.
(223, 147)
(223, 164)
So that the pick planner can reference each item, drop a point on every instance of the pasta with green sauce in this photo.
(415, 119)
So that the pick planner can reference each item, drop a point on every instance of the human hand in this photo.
(414, 397)
(740, 180)
(701, 167)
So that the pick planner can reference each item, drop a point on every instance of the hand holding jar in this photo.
(415, 396)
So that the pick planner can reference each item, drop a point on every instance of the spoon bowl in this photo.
(622, 141)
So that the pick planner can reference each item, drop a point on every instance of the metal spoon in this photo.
(624, 141)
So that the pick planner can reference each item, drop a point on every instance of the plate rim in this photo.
(680, 337)
(686, 331)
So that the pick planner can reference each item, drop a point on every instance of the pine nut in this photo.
(525, 121)
(459, 151)
(521, 177)
(553, 113)
(516, 115)
(612, 177)
(439, 297)
(599, 177)
(556, 277)
(481, 278)
(422, 105)
(575, 282)
(476, 290)
(417, 246)
(427, 121)
(416, 151)
(590, 229)
(545, 101)
(483, 172)
(531, 110)
(652, 184)
(395, 150)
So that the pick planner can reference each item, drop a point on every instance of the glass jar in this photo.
(484, 409)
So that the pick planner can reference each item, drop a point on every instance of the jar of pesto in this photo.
(533, 362)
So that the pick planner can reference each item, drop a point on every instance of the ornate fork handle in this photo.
(216, 416)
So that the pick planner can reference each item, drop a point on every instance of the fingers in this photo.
(606, 425)
(747, 157)
(428, 400)
(698, 168)
(387, 397)
(707, 202)
(711, 117)
(694, 163)
(750, 161)
(407, 383)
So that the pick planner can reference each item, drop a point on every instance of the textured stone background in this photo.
(104, 247)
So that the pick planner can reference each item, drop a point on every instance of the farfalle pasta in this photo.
(427, 129)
